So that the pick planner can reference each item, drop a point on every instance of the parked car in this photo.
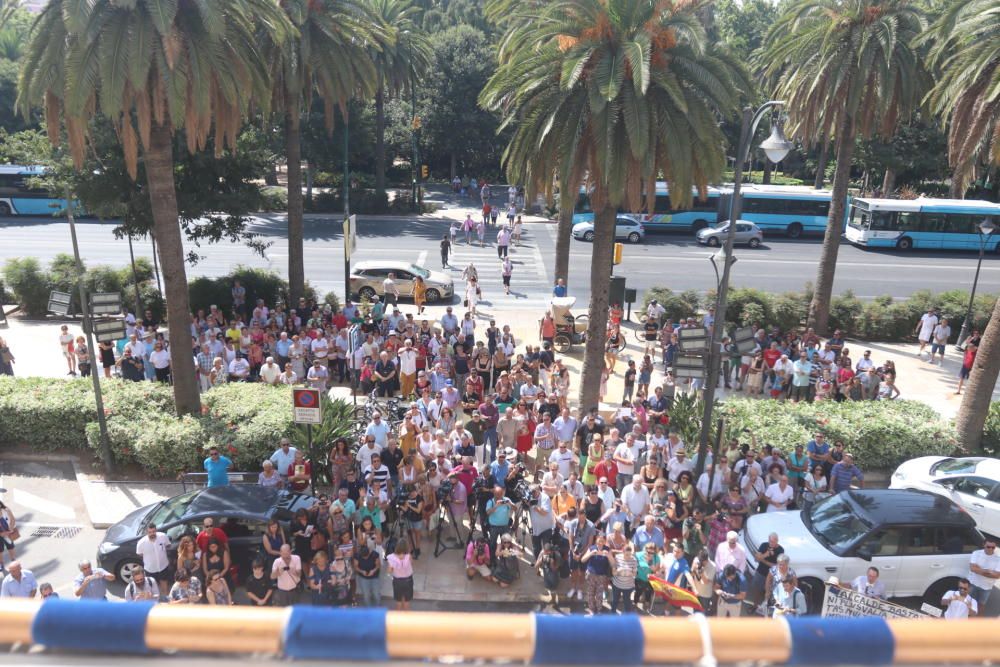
(367, 278)
(625, 228)
(919, 541)
(973, 482)
(746, 233)
(242, 511)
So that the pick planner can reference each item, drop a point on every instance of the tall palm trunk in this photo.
(979, 391)
(380, 137)
(888, 182)
(159, 158)
(600, 273)
(821, 165)
(296, 257)
(819, 309)
(565, 231)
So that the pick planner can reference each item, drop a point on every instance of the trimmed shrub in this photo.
(991, 430)
(29, 283)
(677, 305)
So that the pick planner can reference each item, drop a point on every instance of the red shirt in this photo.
(771, 357)
(970, 357)
(340, 321)
(305, 472)
(606, 468)
(204, 536)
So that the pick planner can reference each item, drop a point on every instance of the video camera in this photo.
(444, 491)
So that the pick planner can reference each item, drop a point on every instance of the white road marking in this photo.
(422, 258)
(43, 505)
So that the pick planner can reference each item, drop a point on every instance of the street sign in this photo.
(59, 303)
(307, 406)
(690, 366)
(350, 236)
(693, 340)
(106, 303)
(108, 331)
(744, 340)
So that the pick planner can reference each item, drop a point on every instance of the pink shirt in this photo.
(400, 567)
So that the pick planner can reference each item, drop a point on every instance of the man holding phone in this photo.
(498, 510)
(287, 573)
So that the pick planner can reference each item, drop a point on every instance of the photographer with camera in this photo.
(543, 521)
(498, 515)
(413, 513)
(551, 565)
(477, 559)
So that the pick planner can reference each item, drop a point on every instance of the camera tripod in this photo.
(443, 542)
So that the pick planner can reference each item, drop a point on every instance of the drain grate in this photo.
(56, 532)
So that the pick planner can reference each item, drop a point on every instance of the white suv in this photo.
(919, 541)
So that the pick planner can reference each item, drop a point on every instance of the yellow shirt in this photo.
(233, 335)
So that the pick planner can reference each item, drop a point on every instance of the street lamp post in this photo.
(776, 147)
(985, 229)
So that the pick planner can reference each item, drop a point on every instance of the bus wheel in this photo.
(4, 209)
(698, 225)
(794, 230)
(905, 243)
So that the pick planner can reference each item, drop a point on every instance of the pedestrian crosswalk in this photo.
(530, 286)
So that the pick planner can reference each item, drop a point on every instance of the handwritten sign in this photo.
(845, 603)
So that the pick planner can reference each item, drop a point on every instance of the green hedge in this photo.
(881, 319)
(991, 430)
(881, 434)
(245, 420)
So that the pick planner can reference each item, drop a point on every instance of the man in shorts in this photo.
(925, 329)
(939, 338)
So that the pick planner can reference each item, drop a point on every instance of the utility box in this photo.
(616, 293)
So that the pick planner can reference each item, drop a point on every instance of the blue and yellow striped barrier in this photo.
(377, 635)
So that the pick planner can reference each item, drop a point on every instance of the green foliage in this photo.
(991, 430)
(743, 24)
(29, 284)
(677, 305)
(917, 152)
(741, 298)
(259, 284)
(881, 434)
(244, 420)
(845, 309)
(337, 420)
(332, 299)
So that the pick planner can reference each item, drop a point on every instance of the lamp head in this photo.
(777, 146)
(987, 226)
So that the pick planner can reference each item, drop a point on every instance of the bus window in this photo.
(962, 224)
(662, 204)
(908, 221)
(708, 205)
(583, 203)
(882, 220)
(933, 222)
(859, 218)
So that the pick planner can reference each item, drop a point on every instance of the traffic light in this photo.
(619, 248)
(424, 172)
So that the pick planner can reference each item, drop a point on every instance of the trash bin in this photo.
(616, 292)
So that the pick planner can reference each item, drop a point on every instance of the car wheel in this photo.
(561, 343)
(698, 225)
(712, 241)
(432, 296)
(588, 236)
(815, 591)
(125, 568)
(754, 242)
(905, 243)
(366, 292)
(634, 237)
(794, 230)
(4, 209)
(933, 595)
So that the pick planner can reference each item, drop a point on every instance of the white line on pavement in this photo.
(43, 505)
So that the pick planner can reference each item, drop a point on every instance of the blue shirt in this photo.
(502, 516)
(218, 471)
(676, 572)
(842, 475)
(817, 450)
(559, 290)
(12, 588)
(500, 472)
(642, 538)
(96, 589)
(282, 347)
(735, 587)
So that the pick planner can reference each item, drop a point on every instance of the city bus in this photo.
(18, 198)
(941, 224)
(700, 214)
(791, 210)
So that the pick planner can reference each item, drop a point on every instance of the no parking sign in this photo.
(307, 406)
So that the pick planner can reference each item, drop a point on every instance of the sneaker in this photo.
(571, 593)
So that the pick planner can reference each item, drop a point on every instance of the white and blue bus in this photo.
(941, 224)
(701, 213)
(791, 210)
(18, 198)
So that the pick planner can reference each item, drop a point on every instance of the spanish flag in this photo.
(675, 595)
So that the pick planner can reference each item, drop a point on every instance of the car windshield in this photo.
(834, 523)
(721, 226)
(420, 271)
(955, 466)
(170, 510)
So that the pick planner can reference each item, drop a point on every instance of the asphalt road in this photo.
(672, 260)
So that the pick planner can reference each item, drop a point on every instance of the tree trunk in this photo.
(889, 182)
(821, 166)
(957, 190)
(380, 137)
(271, 177)
(453, 168)
(563, 237)
(296, 258)
(819, 309)
(600, 274)
(979, 390)
(163, 204)
(768, 167)
(310, 175)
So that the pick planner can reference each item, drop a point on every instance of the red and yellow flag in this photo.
(675, 595)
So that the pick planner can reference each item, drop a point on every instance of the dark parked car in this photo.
(242, 511)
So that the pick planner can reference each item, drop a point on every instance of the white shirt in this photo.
(941, 334)
(239, 367)
(623, 451)
(160, 359)
(987, 563)
(635, 501)
(774, 493)
(365, 453)
(861, 585)
(320, 348)
(407, 361)
(675, 467)
(154, 553)
(927, 324)
(607, 495)
(269, 373)
(564, 459)
(959, 608)
(389, 287)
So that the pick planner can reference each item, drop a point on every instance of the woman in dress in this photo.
(340, 461)
(297, 355)
(446, 422)
(597, 562)
(107, 350)
(595, 454)
(215, 560)
(645, 374)
(561, 388)
(816, 487)
(218, 590)
(319, 580)
(369, 536)
(268, 477)
(755, 375)
(611, 348)
(419, 294)
(472, 295)
(187, 557)
(685, 490)
(673, 519)
(400, 565)
(650, 471)
(341, 580)
(735, 507)
(302, 529)
(483, 366)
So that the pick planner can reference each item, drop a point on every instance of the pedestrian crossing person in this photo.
(506, 269)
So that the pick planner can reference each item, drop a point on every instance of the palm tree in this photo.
(401, 50)
(612, 94)
(327, 55)
(967, 39)
(846, 67)
(152, 67)
(975, 407)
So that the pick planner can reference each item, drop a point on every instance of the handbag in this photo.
(317, 541)
(14, 535)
